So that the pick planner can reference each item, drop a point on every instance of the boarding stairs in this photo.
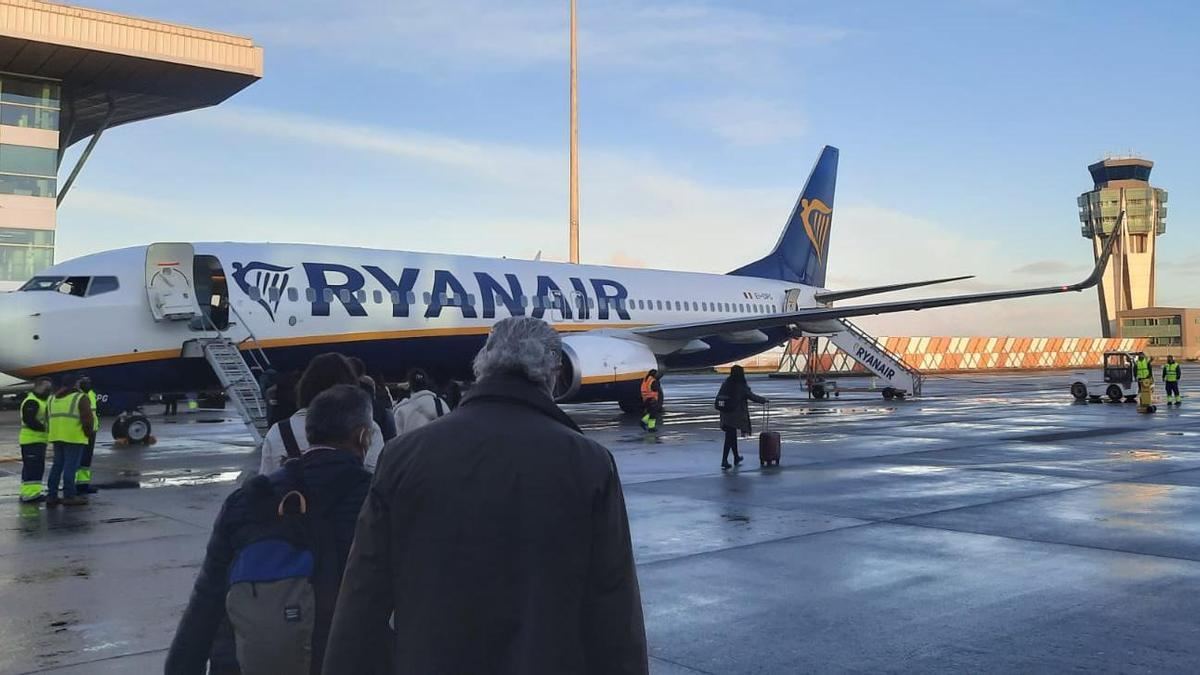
(877, 358)
(238, 382)
(900, 379)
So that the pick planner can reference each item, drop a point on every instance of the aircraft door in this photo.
(791, 301)
(170, 285)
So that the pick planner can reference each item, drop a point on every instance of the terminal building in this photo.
(67, 74)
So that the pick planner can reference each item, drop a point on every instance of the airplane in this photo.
(111, 313)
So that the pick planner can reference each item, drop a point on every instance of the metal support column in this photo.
(86, 151)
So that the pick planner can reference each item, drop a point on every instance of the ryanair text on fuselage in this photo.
(590, 298)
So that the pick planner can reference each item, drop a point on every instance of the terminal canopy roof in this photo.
(145, 68)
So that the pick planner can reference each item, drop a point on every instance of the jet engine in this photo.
(601, 368)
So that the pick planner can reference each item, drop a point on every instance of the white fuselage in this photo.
(395, 309)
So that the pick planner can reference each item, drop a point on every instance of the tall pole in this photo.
(574, 146)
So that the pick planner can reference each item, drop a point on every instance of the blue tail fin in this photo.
(802, 251)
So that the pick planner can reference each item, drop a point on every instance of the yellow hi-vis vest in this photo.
(65, 425)
(1171, 372)
(95, 415)
(29, 436)
(1143, 369)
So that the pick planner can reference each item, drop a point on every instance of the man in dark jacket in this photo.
(339, 430)
(497, 535)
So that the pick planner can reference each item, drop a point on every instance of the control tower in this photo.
(1123, 184)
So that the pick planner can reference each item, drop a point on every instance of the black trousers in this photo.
(1173, 388)
(86, 462)
(731, 436)
(33, 462)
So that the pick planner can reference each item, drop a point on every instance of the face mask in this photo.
(364, 442)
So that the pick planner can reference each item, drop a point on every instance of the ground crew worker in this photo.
(651, 401)
(33, 439)
(71, 428)
(1171, 380)
(83, 475)
(1145, 379)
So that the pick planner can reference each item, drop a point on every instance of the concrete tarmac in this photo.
(994, 525)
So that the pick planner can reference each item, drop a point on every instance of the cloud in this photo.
(494, 160)
(623, 259)
(469, 35)
(746, 122)
(1048, 267)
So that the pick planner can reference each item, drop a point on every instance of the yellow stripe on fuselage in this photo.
(304, 340)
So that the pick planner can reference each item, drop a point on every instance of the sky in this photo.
(965, 130)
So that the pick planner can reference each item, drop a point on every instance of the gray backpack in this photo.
(284, 578)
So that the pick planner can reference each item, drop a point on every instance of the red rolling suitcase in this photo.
(768, 441)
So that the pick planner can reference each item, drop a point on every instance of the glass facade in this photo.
(24, 253)
(27, 171)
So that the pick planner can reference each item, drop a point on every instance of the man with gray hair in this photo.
(326, 486)
(495, 537)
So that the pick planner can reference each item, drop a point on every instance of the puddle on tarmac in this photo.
(1141, 455)
(132, 480)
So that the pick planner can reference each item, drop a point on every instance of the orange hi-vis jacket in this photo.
(649, 393)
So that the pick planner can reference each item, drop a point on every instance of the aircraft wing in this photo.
(834, 296)
(691, 331)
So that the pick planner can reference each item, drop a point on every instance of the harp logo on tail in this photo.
(269, 282)
(816, 217)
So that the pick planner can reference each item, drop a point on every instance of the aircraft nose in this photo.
(11, 336)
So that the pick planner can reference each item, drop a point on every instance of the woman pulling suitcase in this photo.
(733, 401)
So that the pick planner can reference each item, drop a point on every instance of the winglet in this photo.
(1102, 262)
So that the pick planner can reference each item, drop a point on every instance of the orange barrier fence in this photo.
(952, 354)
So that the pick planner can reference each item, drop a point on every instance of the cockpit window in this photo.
(103, 285)
(77, 286)
(74, 286)
(42, 284)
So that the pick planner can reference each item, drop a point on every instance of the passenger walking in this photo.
(651, 401)
(33, 438)
(496, 540)
(281, 397)
(278, 551)
(170, 405)
(71, 429)
(733, 403)
(380, 406)
(1170, 375)
(286, 438)
(420, 408)
(83, 475)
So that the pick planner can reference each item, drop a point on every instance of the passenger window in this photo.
(659, 304)
(412, 298)
(310, 295)
(428, 298)
(394, 296)
(361, 296)
(327, 294)
(274, 294)
(103, 285)
(293, 295)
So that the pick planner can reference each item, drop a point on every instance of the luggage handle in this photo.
(767, 416)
